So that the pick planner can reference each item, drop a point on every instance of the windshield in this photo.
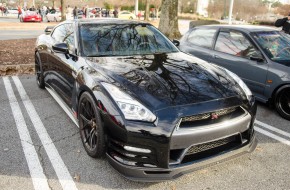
(122, 39)
(275, 44)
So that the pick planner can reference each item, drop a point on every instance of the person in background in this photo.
(32, 8)
(87, 12)
(19, 11)
(75, 12)
(69, 12)
(115, 13)
(52, 10)
(285, 23)
(40, 12)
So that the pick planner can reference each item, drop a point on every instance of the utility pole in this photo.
(231, 11)
(136, 7)
(225, 2)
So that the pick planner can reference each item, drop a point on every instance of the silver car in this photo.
(259, 55)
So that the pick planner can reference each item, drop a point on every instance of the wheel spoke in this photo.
(85, 109)
(92, 136)
(287, 96)
(87, 121)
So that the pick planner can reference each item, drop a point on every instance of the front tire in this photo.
(282, 103)
(39, 72)
(91, 126)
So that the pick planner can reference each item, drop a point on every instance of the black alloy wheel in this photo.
(91, 127)
(39, 72)
(282, 103)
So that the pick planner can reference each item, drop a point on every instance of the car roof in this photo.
(244, 28)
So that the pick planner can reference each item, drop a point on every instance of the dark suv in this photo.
(259, 55)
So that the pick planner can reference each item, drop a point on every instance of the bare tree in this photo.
(168, 24)
(243, 9)
(157, 4)
(283, 10)
(62, 5)
(147, 12)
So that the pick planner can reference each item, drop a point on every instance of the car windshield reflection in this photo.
(122, 40)
(275, 44)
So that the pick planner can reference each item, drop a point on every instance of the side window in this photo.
(202, 37)
(59, 33)
(235, 43)
(65, 33)
(69, 36)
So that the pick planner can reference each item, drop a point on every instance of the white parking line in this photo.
(36, 171)
(60, 168)
(264, 132)
(272, 128)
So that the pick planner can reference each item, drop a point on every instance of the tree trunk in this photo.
(147, 12)
(168, 24)
(63, 11)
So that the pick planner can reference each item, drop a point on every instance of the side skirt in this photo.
(62, 104)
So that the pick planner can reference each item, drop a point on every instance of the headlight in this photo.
(130, 107)
(241, 83)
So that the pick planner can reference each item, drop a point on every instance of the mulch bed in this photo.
(17, 56)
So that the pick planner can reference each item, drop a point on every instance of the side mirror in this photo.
(176, 42)
(257, 58)
(60, 48)
(48, 30)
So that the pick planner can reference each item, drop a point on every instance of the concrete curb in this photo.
(16, 69)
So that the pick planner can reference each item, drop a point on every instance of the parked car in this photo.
(30, 16)
(13, 11)
(54, 16)
(156, 112)
(259, 55)
(126, 15)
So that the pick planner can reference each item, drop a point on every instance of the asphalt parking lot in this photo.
(41, 147)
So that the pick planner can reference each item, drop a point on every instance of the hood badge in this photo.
(214, 116)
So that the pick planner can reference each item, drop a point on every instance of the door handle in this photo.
(216, 56)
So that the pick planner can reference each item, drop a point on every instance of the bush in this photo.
(263, 22)
(195, 23)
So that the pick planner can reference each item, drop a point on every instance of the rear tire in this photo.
(91, 126)
(39, 72)
(282, 103)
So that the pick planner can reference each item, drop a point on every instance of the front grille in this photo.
(206, 150)
(206, 146)
(208, 115)
(211, 117)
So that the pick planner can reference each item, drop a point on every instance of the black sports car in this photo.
(156, 112)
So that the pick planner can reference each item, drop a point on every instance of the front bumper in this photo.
(161, 174)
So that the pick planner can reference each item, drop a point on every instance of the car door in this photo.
(199, 42)
(236, 52)
(63, 67)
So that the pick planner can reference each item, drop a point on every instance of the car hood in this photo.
(163, 80)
